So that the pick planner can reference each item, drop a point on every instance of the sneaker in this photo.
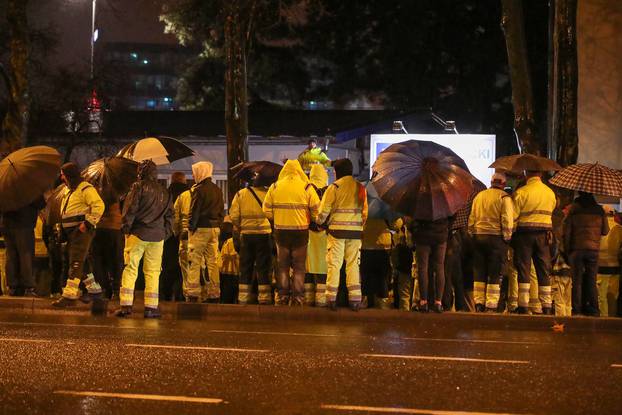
(124, 311)
(480, 308)
(423, 308)
(31, 293)
(438, 308)
(152, 312)
(355, 306)
(64, 302)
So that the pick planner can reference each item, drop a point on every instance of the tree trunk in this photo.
(522, 95)
(236, 108)
(563, 83)
(15, 123)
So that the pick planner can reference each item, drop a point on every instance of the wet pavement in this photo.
(429, 364)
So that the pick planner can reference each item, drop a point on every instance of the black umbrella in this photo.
(161, 150)
(259, 173)
(111, 175)
(422, 179)
(26, 174)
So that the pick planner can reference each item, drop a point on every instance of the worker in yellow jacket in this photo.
(315, 280)
(344, 208)
(229, 267)
(181, 211)
(608, 278)
(81, 209)
(533, 209)
(253, 230)
(291, 204)
(491, 222)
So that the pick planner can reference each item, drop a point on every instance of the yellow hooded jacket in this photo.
(345, 201)
(316, 250)
(229, 260)
(81, 205)
(611, 246)
(247, 213)
(291, 203)
(182, 210)
(492, 213)
(533, 206)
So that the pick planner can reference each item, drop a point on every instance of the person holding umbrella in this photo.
(81, 209)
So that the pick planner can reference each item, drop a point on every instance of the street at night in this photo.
(72, 363)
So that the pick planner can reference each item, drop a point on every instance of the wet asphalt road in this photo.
(81, 364)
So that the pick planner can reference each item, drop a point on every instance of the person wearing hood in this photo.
(312, 155)
(291, 204)
(252, 229)
(81, 210)
(584, 226)
(315, 279)
(344, 208)
(147, 223)
(207, 211)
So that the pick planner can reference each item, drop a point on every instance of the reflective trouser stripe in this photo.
(309, 293)
(203, 248)
(339, 250)
(91, 285)
(479, 292)
(493, 291)
(534, 302)
(71, 289)
(523, 294)
(320, 295)
(265, 293)
(151, 255)
(544, 293)
(183, 264)
(243, 293)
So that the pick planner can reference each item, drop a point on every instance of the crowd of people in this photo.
(304, 242)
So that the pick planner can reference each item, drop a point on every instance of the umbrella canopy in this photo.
(519, 162)
(422, 179)
(377, 209)
(51, 213)
(461, 218)
(259, 173)
(590, 178)
(161, 150)
(112, 175)
(26, 174)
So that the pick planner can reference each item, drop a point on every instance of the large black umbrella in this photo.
(259, 173)
(111, 175)
(26, 174)
(422, 179)
(160, 150)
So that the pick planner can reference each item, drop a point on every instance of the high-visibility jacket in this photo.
(291, 203)
(316, 250)
(312, 156)
(81, 205)
(182, 210)
(229, 260)
(344, 207)
(41, 250)
(533, 206)
(611, 246)
(376, 234)
(492, 213)
(247, 214)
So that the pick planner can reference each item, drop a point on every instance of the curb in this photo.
(200, 311)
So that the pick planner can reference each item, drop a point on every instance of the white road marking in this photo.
(17, 323)
(393, 410)
(172, 346)
(171, 398)
(274, 333)
(470, 340)
(618, 365)
(6, 339)
(449, 358)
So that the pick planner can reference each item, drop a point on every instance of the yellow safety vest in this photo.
(80, 205)
(345, 206)
(247, 214)
(492, 213)
(291, 203)
(182, 211)
(533, 205)
(229, 260)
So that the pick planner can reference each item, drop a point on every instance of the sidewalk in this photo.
(180, 310)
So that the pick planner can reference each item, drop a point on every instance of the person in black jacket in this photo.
(147, 222)
(207, 211)
(19, 239)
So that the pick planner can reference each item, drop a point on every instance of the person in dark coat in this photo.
(583, 228)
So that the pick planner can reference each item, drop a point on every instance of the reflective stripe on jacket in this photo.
(492, 213)
(291, 203)
(246, 212)
(82, 204)
(533, 206)
(344, 207)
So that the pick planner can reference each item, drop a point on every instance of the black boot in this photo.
(152, 312)
(522, 310)
(480, 308)
(64, 302)
(124, 311)
(547, 311)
